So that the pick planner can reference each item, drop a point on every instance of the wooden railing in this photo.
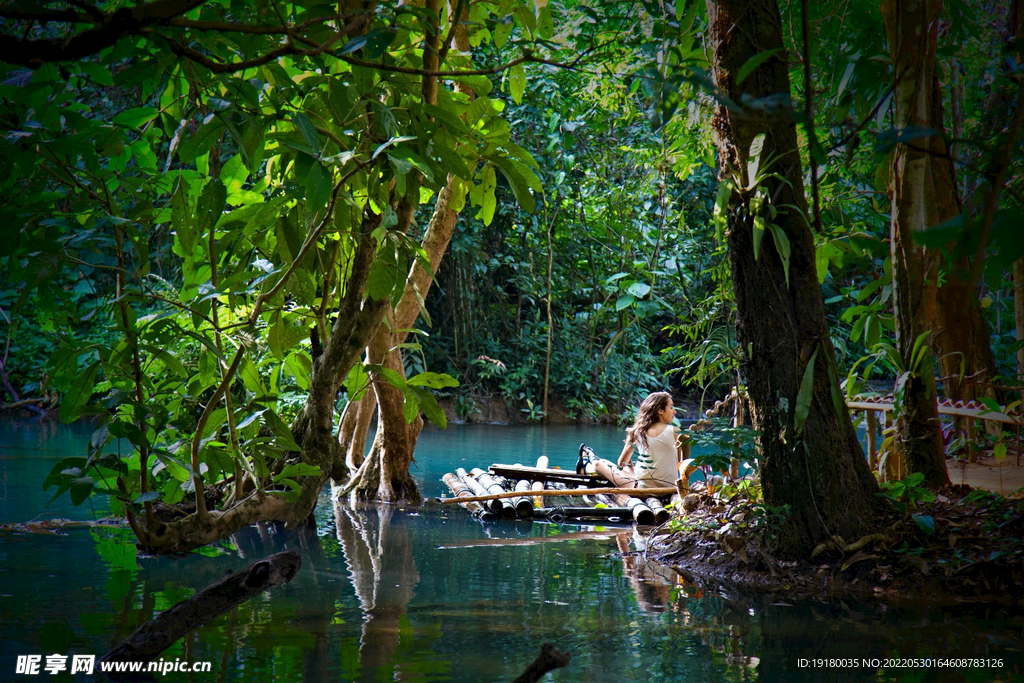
(880, 455)
(966, 412)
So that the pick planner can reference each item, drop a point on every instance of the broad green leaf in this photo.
(639, 289)
(782, 246)
(758, 235)
(357, 382)
(803, 398)
(517, 82)
(433, 380)
(78, 394)
(211, 205)
(282, 431)
(410, 407)
(754, 62)
(308, 130)
(318, 189)
(925, 523)
(135, 118)
(299, 469)
(624, 302)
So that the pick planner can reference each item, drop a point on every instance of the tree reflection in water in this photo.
(382, 568)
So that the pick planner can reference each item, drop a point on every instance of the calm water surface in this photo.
(428, 594)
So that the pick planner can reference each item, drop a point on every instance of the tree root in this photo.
(838, 543)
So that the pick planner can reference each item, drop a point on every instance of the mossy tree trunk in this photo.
(811, 461)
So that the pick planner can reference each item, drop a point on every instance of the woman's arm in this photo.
(626, 456)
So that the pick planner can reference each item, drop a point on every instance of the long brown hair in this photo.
(647, 417)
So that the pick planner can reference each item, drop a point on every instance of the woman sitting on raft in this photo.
(656, 440)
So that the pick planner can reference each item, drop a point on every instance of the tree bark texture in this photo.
(916, 179)
(961, 337)
(819, 472)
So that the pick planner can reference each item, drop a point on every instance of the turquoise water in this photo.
(428, 594)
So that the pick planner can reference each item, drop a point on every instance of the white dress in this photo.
(659, 466)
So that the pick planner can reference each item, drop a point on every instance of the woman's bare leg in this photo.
(619, 476)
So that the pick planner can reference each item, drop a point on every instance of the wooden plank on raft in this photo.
(660, 491)
(547, 474)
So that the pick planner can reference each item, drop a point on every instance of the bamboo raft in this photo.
(544, 493)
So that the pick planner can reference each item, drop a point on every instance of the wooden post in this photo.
(972, 453)
(872, 452)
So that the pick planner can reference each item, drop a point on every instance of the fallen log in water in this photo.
(550, 658)
(508, 509)
(155, 636)
(460, 490)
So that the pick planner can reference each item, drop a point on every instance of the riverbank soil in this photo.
(958, 545)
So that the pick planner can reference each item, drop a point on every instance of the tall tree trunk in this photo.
(814, 465)
(394, 456)
(911, 27)
(961, 335)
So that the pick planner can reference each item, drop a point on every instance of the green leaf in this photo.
(803, 397)
(432, 380)
(639, 289)
(175, 467)
(925, 522)
(999, 452)
(318, 189)
(285, 438)
(410, 407)
(97, 72)
(308, 130)
(758, 235)
(80, 489)
(782, 246)
(754, 62)
(250, 377)
(624, 302)
(78, 394)
(147, 497)
(299, 469)
(754, 158)
(135, 118)
(211, 205)
(357, 382)
(517, 82)
(430, 407)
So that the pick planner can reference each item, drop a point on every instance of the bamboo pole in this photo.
(460, 490)
(542, 464)
(480, 492)
(523, 505)
(660, 491)
(642, 514)
(507, 509)
(661, 515)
